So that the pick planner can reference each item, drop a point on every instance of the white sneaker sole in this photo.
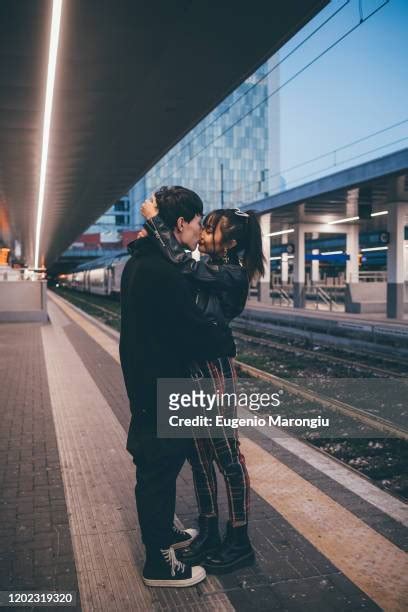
(197, 575)
(193, 533)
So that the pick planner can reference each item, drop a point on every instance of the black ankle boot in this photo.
(235, 552)
(207, 541)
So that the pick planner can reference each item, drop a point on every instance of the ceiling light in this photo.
(52, 62)
(343, 220)
(384, 248)
(377, 214)
(332, 253)
(288, 231)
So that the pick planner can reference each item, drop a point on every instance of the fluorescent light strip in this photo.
(52, 62)
(343, 220)
(280, 233)
(280, 257)
(377, 214)
(332, 253)
(384, 248)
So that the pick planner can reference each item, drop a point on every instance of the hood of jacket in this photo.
(141, 246)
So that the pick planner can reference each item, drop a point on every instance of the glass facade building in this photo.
(227, 157)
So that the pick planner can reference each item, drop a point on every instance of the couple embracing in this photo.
(175, 313)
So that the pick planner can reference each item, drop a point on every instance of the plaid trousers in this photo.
(223, 451)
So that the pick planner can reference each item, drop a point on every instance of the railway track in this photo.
(280, 346)
(107, 311)
(386, 427)
(393, 437)
(383, 425)
(321, 357)
(281, 333)
(275, 345)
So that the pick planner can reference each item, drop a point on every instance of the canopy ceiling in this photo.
(132, 78)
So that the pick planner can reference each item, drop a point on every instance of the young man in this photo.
(162, 333)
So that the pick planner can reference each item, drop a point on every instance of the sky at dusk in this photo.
(357, 88)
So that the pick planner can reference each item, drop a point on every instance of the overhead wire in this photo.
(167, 161)
(291, 79)
(354, 157)
(334, 152)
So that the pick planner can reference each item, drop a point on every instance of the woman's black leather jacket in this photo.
(221, 288)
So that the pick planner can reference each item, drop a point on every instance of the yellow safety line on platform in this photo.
(373, 563)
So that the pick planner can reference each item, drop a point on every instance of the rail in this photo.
(282, 295)
(379, 276)
(322, 296)
(383, 425)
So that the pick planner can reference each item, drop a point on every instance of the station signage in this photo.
(340, 257)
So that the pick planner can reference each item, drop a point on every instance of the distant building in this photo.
(117, 219)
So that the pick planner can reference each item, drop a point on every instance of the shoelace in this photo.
(171, 558)
(178, 531)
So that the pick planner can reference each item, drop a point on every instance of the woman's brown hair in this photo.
(244, 228)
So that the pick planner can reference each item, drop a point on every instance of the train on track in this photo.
(100, 276)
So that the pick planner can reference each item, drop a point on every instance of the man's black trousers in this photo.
(158, 463)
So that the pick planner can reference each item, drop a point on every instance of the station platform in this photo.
(325, 538)
(373, 318)
(371, 332)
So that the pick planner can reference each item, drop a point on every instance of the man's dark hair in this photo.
(175, 202)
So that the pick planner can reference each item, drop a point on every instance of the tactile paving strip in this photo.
(369, 560)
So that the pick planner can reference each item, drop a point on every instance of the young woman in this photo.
(232, 240)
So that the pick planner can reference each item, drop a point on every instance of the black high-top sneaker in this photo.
(235, 552)
(163, 570)
(182, 538)
(207, 541)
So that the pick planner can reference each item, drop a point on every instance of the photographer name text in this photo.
(250, 421)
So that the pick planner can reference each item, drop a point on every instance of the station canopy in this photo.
(360, 195)
(132, 78)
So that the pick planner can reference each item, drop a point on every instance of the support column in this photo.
(395, 260)
(352, 279)
(265, 282)
(285, 262)
(299, 267)
(315, 278)
(352, 249)
(285, 269)
(405, 260)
